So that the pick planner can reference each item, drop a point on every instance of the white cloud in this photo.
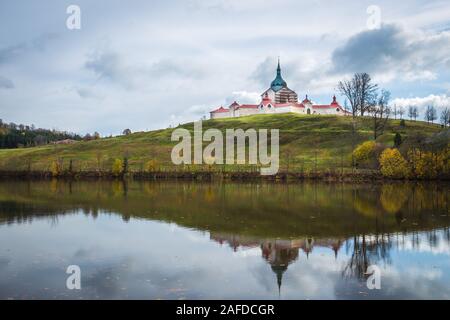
(437, 101)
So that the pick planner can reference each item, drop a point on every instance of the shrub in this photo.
(117, 168)
(364, 152)
(428, 164)
(151, 166)
(393, 165)
(402, 123)
(55, 168)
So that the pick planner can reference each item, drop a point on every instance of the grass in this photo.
(306, 142)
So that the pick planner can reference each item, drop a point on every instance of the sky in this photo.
(147, 65)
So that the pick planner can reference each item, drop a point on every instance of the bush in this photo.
(151, 166)
(55, 168)
(393, 165)
(428, 164)
(402, 123)
(117, 168)
(364, 152)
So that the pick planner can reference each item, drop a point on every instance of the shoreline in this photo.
(373, 176)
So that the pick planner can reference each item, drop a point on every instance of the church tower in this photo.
(279, 91)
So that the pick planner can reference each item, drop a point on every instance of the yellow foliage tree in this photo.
(365, 151)
(55, 169)
(117, 167)
(151, 166)
(393, 165)
(428, 164)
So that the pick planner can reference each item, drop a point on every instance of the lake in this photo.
(191, 240)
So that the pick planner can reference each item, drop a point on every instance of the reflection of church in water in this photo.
(278, 253)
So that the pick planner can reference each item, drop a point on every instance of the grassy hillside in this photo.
(305, 141)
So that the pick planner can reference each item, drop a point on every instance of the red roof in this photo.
(219, 110)
(234, 104)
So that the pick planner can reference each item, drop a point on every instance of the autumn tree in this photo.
(393, 165)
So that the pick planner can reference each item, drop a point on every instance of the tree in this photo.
(393, 165)
(395, 112)
(397, 140)
(379, 109)
(126, 132)
(96, 135)
(364, 152)
(368, 92)
(349, 88)
(401, 112)
(117, 168)
(430, 114)
(445, 117)
(411, 112)
(416, 113)
(360, 92)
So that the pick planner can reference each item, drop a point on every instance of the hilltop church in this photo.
(279, 98)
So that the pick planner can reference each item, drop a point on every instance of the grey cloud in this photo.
(6, 83)
(391, 49)
(11, 52)
(266, 71)
(166, 67)
(86, 93)
(106, 65)
(112, 66)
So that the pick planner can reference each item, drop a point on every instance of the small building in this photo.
(278, 98)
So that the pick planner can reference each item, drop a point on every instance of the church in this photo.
(279, 98)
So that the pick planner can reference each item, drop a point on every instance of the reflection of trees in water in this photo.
(366, 250)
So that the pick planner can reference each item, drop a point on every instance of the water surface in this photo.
(184, 240)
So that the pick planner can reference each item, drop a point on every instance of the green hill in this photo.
(321, 142)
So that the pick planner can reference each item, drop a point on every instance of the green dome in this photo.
(278, 83)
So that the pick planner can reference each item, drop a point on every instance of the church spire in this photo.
(278, 83)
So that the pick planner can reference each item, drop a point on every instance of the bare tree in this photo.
(411, 112)
(360, 92)
(445, 117)
(349, 89)
(367, 92)
(401, 112)
(416, 113)
(379, 109)
(430, 114)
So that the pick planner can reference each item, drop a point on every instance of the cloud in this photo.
(112, 66)
(14, 51)
(407, 56)
(244, 97)
(6, 83)
(87, 93)
(437, 101)
(106, 65)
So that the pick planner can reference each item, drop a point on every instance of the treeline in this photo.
(18, 136)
